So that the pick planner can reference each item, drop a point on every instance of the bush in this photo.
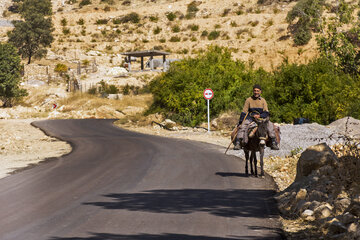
(302, 36)
(213, 35)
(84, 2)
(131, 17)
(61, 68)
(171, 16)
(81, 21)
(175, 39)
(193, 27)
(157, 30)
(175, 29)
(101, 21)
(317, 90)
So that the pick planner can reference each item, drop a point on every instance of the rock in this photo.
(354, 208)
(346, 218)
(318, 196)
(314, 158)
(308, 215)
(342, 204)
(116, 71)
(214, 123)
(323, 211)
(169, 123)
(335, 227)
(314, 205)
(301, 195)
(115, 96)
(4, 115)
(353, 228)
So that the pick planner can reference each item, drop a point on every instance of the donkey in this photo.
(256, 143)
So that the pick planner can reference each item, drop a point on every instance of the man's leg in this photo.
(272, 136)
(240, 135)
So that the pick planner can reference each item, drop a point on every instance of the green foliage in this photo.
(157, 30)
(317, 90)
(308, 15)
(132, 17)
(213, 35)
(340, 41)
(192, 9)
(175, 39)
(107, 89)
(193, 27)
(81, 21)
(101, 21)
(10, 75)
(171, 16)
(61, 68)
(175, 29)
(33, 35)
(63, 22)
(84, 3)
(178, 92)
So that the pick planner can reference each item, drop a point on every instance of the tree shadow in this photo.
(224, 203)
(231, 174)
(165, 236)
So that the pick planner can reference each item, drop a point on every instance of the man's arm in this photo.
(244, 111)
(265, 112)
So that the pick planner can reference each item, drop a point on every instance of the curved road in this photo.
(118, 184)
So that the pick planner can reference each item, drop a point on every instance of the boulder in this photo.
(335, 227)
(323, 211)
(342, 204)
(314, 158)
(301, 195)
(354, 208)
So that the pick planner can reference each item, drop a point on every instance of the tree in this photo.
(10, 75)
(308, 15)
(340, 40)
(34, 34)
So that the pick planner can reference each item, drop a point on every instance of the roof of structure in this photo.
(146, 53)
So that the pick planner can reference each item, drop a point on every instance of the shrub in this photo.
(171, 16)
(175, 29)
(81, 21)
(126, 3)
(213, 35)
(131, 17)
(154, 19)
(226, 12)
(302, 36)
(61, 68)
(101, 21)
(66, 31)
(63, 22)
(204, 33)
(233, 24)
(84, 2)
(192, 9)
(193, 27)
(175, 39)
(157, 30)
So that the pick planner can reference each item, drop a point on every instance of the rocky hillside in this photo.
(254, 32)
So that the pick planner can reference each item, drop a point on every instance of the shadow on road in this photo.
(225, 203)
(231, 174)
(166, 236)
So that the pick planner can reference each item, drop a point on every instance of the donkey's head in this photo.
(262, 131)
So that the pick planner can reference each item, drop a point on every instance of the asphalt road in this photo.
(118, 184)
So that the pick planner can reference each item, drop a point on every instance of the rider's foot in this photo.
(274, 145)
(237, 145)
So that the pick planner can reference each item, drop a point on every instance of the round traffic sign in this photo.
(208, 94)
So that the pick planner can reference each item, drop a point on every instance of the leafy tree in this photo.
(340, 40)
(34, 34)
(308, 15)
(9, 75)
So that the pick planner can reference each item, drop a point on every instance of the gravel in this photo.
(296, 138)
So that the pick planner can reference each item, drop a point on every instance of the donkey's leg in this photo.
(262, 160)
(246, 162)
(252, 162)
(255, 164)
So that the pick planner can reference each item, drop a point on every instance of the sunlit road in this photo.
(117, 184)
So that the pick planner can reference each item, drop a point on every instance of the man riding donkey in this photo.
(255, 107)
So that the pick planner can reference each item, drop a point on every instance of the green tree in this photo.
(33, 35)
(10, 75)
(307, 14)
(340, 40)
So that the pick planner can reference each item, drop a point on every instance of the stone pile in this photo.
(325, 193)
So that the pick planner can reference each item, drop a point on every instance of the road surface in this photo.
(118, 184)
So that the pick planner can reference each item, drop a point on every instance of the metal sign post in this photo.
(208, 94)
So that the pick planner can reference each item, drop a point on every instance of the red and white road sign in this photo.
(208, 94)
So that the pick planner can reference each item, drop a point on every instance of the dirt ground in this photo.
(22, 145)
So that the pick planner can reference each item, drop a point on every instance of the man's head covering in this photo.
(257, 86)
